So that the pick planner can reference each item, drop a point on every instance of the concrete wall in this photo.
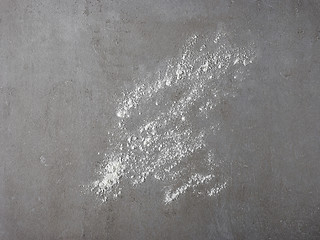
(67, 67)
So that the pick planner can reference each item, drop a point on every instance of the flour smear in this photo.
(166, 121)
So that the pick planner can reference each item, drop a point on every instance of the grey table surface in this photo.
(68, 70)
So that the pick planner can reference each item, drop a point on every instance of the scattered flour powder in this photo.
(166, 120)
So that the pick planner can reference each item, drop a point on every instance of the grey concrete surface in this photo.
(64, 64)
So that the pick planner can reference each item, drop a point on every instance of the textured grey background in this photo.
(64, 63)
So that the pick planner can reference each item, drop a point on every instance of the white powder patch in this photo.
(193, 182)
(215, 190)
(167, 120)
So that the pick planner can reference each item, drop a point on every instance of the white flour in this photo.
(165, 122)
